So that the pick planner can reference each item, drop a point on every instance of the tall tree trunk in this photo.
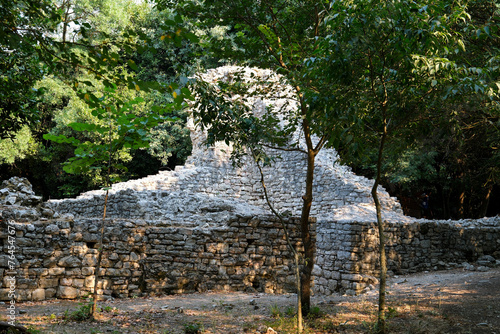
(381, 323)
(99, 257)
(300, 321)
(306, 235)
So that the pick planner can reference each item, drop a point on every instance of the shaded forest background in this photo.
(48, 47)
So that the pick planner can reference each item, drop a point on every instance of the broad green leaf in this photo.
(132, 65)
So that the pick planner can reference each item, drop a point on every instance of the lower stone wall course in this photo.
(148, 258)
(350, 250)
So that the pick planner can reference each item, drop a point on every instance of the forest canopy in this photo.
(59, 57)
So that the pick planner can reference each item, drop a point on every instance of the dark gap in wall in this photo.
(91, 244)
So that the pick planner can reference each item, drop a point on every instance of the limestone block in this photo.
(76, 236)
(89, 282)
(48, 283)
(112, 272)
(119, 287)
(243, 259)
(56, 271)
(52, 229)
(4, 294)
(46, 212)
(73, 272)
(37, 272)
(134, 257)
(10, 200)
(333, 285)
(358, 287)
(91, 237)
(23, 242)
(50, 293)
(86, 271)
(67, 292)
(66, 281)
(317, 271)
(229, 262)
(38, 294)
(23, 295)
(352, 277)
(69, 261)
(7, 282)
(106, 263)
(486, 260)
(124, 272)
(345, 284)
(50, 262)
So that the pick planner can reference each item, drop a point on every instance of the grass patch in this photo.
(194, 328)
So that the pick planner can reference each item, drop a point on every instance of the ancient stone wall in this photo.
(57, 258)
(135, 198)
(203, 243)
(347, 251)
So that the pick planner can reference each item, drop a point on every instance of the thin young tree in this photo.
(118, 128)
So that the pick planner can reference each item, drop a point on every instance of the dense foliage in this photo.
(447, 147)
(60, 56)
(49, 58)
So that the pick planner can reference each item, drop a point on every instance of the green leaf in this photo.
(82, 126)
(487, 30)
(61, 139)
(191, 37)
(178, 19)
(132, 65)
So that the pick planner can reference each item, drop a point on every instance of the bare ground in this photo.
(454, 301)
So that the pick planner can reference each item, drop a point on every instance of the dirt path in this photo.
(454, 301)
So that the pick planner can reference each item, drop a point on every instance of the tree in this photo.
(459, 155)
(393, 64)
(105, 60)
(23, 29)
(250, 135)
(120, 128)
(277, 35)
(89, 45)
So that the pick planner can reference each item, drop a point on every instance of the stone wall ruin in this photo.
(234, 248)
(205, 226)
